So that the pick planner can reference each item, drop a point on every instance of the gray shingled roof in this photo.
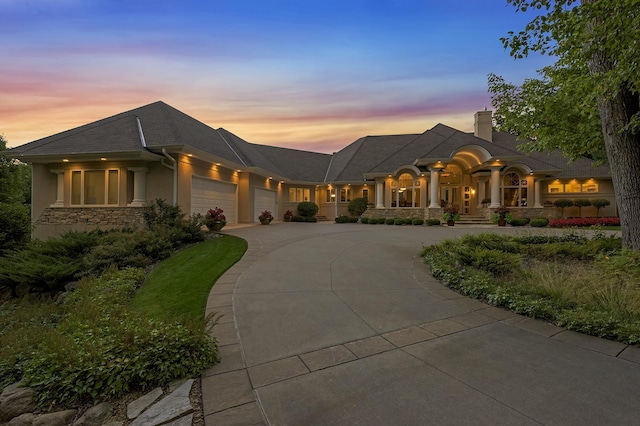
(164, 127)
(361, 156)
(114, 134)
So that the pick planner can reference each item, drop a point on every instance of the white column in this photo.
(482, 183)
(139, 186)
(59, 188)
(379, 194)
(423, 192)
(536, 194)
(435, 187)
(495, 187)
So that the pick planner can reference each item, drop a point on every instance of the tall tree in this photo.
(15, 178)
(597, 74)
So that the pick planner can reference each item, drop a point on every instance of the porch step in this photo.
(322, 219)
(466, 219)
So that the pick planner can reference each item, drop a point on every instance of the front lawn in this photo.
(178, 287)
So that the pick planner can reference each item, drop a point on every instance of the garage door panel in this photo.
(207, 194)
(264, 199)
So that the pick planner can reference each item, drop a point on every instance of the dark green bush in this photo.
(432, 222)
(417, 221)
(15, 226)
(519, 221)
(311, 219)
(298, 218)
(161, 213)
(357, 206)
(389, 221)
(364, 220)
(408, 221)
(342, 219)
(307, 209)
(540, 222)
(398, 221)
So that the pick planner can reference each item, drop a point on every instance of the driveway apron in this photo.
(342, 324)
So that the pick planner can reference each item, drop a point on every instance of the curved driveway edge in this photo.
(343, 324)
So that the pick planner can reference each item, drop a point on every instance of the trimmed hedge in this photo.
(432, 222)
(519, 221)
(417, 221)
(540, 222)
(364, 220)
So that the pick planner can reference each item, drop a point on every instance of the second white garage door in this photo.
(264, 200)
(207, 194)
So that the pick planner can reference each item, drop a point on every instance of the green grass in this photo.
(179, 286)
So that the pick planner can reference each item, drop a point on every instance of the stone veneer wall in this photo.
(404, 213)
(94, 217)
(532, 213)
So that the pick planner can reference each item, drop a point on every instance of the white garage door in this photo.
(264, 200)
(207, 194)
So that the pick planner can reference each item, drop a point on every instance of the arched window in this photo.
(405, 192)
(514, 190)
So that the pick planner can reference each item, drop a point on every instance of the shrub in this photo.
(307, 209)
(161, 213)
(311, 219)
(519, 221)
(599, 203)
(580, 203)
(342, 219)
(364, 220)
(417, 222)
(539, 222)
(389, 221)
(15, 226)
(373, 221)
(562, 203)
(432, 222)
(408, 221)
(398, 221)
(357, 206)
(298, 218)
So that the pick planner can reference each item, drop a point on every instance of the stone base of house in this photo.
(54, 220)
(436, 213)
(404, 213)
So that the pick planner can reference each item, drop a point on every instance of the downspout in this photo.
(174, 167)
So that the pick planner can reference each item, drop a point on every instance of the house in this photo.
(102, 174)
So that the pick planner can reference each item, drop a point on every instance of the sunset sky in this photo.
(306, 74)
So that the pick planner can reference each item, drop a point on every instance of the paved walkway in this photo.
(341, 324)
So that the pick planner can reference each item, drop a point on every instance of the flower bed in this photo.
(584, 222)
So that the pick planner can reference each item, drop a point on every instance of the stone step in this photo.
(322, 218)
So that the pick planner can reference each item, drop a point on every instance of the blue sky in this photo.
(307, 74)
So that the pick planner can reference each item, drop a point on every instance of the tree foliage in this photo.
(15, 178)
(594, 85)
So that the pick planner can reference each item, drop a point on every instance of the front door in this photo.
(449, 195)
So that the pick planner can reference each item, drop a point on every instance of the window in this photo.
(573, 186)
(514, 190)
(345, 195)
(407, 193)
(94, 187)
(297, 195)
(365, 194)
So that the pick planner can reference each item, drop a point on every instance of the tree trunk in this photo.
(623, 151)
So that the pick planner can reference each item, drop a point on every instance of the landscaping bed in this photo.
(590, 285)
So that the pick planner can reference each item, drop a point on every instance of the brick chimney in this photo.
(482, 125)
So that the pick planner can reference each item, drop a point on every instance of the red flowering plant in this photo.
(502, 213)
(215, 219)
(451, 213)
(265, 216)
(288, 215)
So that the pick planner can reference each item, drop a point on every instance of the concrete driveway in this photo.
(341, 324)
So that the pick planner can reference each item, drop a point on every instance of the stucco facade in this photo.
(104, 173)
